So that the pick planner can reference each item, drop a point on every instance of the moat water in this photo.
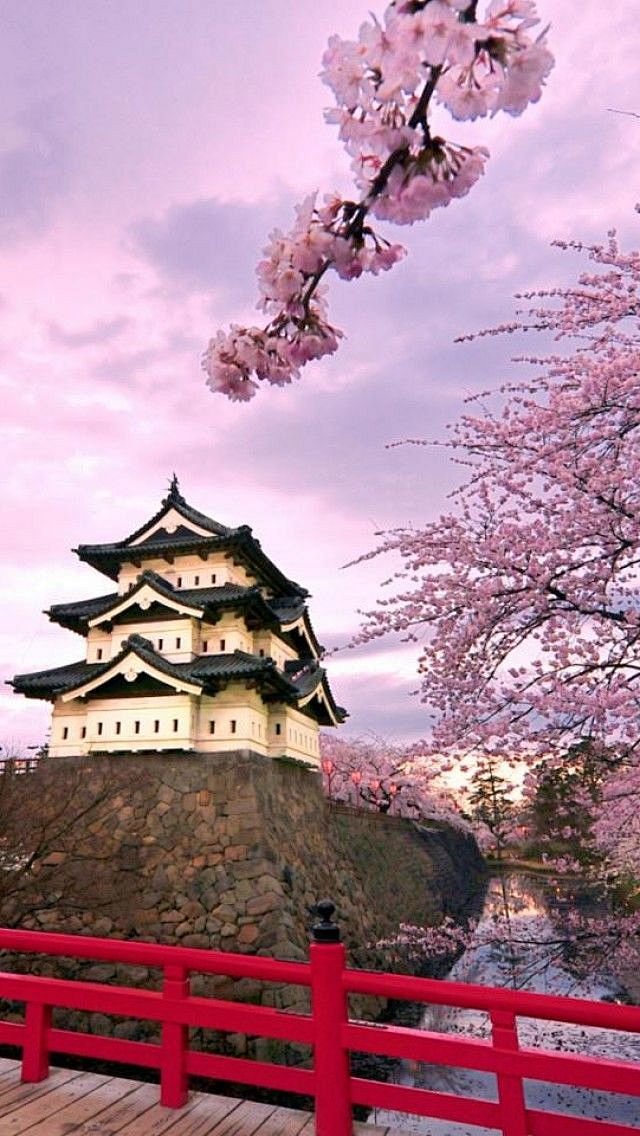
(529, 967)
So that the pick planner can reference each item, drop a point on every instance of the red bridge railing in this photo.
(328, 1029)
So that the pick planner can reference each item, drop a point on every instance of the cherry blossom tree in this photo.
(385, 84)
(370, 772)
(525, 594)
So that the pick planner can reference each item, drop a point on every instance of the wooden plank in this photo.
(309, 1128)
(41, 1111)
(245, 1120)
(284, 1122)
(203, 1114)
(20, 1093)
(8, 1065)
(72, 1103)
(134, 1101)
(100, 1092)
(362, 1129)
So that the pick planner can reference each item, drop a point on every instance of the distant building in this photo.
(205, 646)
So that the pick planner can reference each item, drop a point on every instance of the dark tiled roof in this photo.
(108, 557)
(239, 542)
(211, 600)
(306, 677)
(44, 684)
(203, 671)
(287, 608)
(76, 615)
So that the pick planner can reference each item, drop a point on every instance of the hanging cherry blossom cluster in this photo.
(384, 85)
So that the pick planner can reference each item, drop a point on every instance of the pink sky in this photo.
(146, 149)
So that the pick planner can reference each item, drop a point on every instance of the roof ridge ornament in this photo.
(174, 496)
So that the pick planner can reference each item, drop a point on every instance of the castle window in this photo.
(212, 726)
(99, 724)
(196, 581)
(136, 727)
(223, 644)
(233, 725)
(83, 732)
(205, 645)
(261, 652)
(160, 644)
(156, 726)
(178, 643)
(278, 728)
(175, 725)
(179, 581)
(99, 653)
(65, 733)
(213, 577)
(118, 726)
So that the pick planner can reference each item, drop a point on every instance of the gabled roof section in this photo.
(174, 501)
(152, 592)
(188, 531)
(206, 674)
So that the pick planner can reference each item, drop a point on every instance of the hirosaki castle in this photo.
(205, 646)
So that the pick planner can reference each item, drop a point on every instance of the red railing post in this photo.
(504, 1033)
(174, 1081)
(330, 1015)
(35, 1053)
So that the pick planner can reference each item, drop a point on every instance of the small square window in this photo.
(179, 581)
(175, 725)
(278, 728)
(212, 727)
(261, 652)
(223, 644)
(205, 645)
(213, 578)
(65, 733)
(156, 726)
(99, 653)
(119, 726)
(160, 644)
(99, 724)
(83, 732)
(178, 643)
(233, 725)
(196, 581)
(136, 727)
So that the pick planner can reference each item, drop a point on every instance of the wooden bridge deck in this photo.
(71, 1103)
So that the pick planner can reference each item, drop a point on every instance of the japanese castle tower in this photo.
(205, 646)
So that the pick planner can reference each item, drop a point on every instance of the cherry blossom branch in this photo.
(384, 84)
(528, 588)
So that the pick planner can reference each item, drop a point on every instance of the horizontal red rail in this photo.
(155, 955)
(327, 1030)
(548, 1007)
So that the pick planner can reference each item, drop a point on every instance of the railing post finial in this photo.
(325, 931)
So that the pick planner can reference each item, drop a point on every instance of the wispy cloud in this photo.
(35, 172)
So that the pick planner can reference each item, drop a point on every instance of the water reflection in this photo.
(524, 964)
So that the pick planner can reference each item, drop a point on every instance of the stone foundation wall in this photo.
(230, 851)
